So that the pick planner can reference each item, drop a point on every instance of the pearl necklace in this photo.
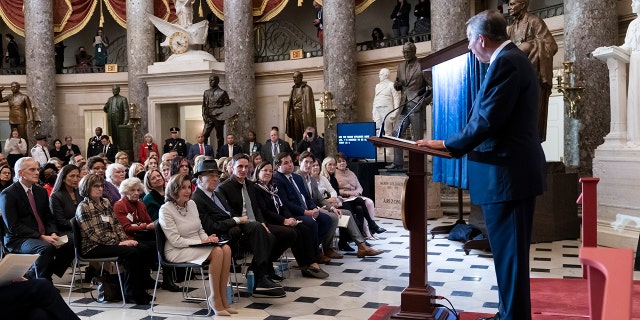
(180, 209)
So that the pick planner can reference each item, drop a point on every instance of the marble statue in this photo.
(632, 45)
(184, 11)
(301, 112)
(181, 37)
(117, 109)
(532, 36)
(386, 99)
(20, 110)
(214, 102)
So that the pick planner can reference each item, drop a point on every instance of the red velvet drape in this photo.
(71, 16)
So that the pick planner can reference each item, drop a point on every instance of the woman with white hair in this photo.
(146, 147)
(136, 170)
(115, 174)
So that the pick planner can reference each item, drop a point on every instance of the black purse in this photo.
(108, 289)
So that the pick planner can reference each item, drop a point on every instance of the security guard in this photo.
(175, 143)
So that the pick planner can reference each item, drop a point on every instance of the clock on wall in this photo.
(179, 42)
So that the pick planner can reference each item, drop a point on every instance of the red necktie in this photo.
(32, 202)
(201, 149)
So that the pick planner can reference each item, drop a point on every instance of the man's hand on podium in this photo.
(433, 144)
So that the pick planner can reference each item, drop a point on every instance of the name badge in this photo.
(99, 49)
(130, 216)
(105, 218)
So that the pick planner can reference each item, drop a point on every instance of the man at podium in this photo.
(506, 164)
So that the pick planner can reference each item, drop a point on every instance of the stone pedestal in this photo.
(616, 60)
(390, 196)
(617, 161)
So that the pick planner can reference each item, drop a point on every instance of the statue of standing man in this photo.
(117, 109)
(184, 11)
(301, 112)
(386, 99)
(20, 110)
(213, 101)
(532, 36)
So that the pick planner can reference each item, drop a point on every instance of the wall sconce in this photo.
(326, 106)
(134, 120)
(566, 86)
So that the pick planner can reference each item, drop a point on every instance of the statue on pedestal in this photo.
(182, 36)
(386, 99)
(532, 36)
(117, 109)
(632, 44)
(214, 102)
(20, 109)
(301, 112)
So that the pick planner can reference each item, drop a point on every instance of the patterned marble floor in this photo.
(356, 287)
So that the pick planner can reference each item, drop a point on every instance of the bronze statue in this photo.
(532, 36)
(117, 109)
(213, 102)
(302, 109)
(414, 85)
(20, 110)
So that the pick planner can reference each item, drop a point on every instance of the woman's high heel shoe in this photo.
(231, 310)
(222, 313)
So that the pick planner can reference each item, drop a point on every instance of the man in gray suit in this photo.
(414, 84)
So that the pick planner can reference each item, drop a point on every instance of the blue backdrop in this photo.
(455, 84)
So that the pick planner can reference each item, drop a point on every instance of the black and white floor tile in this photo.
(356, 287)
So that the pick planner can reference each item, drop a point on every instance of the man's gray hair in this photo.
(21, 164)
(489, 23)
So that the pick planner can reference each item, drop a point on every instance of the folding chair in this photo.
(77, 245)
(161, 239)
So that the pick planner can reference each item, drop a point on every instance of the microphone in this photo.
(418, 105)
(381, 133)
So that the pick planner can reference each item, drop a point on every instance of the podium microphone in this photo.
(414, 109)
(381, 133)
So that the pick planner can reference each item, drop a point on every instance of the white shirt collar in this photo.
(498, 50)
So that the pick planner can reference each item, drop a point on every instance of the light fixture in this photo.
(566, 86)
(326, 106)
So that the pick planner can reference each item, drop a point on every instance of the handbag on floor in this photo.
(108, 289)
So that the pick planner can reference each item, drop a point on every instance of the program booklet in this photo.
(14, 266)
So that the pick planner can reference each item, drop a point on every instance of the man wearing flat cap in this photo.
(175, 143)
(40, 152)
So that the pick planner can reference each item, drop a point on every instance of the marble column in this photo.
(589, 25)
(41, 73)
(239, 66)
(339, 59)
(448, 18)
(140, 54)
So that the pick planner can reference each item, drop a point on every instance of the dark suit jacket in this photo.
(288, 194)
(415, 81)
(215, 220)
(111, 152)
(74, 148)
(256, 145)
(63, 208)
(266, 149)
(18, 216)
(269, 211)
(506, 161)
(194, 150)
(224, 151)
(230, 193)
(94, 147)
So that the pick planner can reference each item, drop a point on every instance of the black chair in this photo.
(77, 245)
(161, 239)
(3, 249)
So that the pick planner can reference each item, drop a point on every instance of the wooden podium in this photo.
(415, 300)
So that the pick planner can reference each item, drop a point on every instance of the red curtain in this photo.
(265, 10)
(71, 16)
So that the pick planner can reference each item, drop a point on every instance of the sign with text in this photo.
(111, 67)
(296, 54)
(390, 196)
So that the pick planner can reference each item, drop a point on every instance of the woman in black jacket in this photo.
(280, 221)
(400, 17)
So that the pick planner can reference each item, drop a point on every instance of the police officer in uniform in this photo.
(175, 143)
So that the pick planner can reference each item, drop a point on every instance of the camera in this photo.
(310, 134)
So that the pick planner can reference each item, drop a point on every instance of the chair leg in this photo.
(73, 277)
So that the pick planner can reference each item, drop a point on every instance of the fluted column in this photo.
(448, 18)
(339, 64)
(239, 66)
(140, 51)
(588, 25)
(41, 73)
